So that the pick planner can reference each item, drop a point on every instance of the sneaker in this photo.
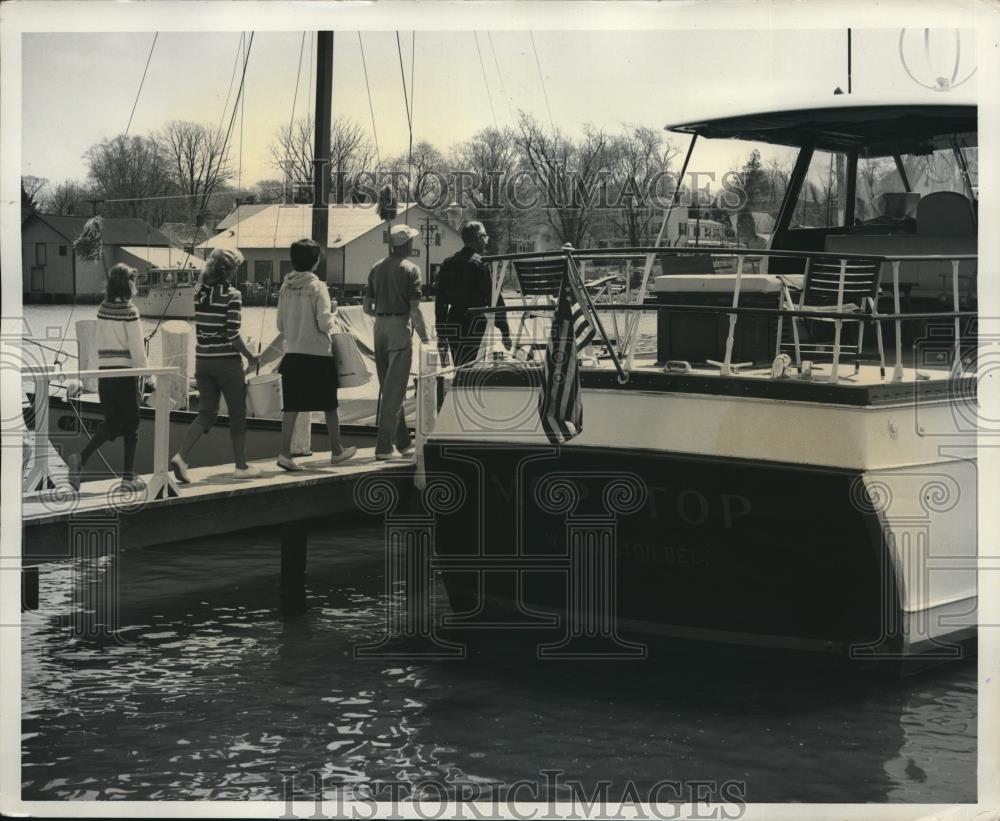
(133, 485)
(73, 463)
(343, 456)
(408, 451)
(385, 457)
(180, 469)
(249, 472)
(289, 464)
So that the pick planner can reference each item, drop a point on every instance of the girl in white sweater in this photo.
(120, 344)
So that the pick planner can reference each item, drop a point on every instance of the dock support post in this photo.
(29, 588)
(294, 540)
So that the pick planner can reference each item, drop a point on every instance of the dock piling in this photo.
(294, 541)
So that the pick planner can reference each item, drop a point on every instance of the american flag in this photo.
(560, 406)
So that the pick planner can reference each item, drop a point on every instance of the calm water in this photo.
(210, 695)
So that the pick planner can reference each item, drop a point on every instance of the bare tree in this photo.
(67, 199)
(195, 163)
(491, 156)
(416, 173)
(33, 191)
(567, 173)
(351, 152)
(130, 174)
(637, 161)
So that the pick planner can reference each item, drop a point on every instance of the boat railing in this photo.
(867, 313)
(39, 474)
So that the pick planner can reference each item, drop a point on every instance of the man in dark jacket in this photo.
(464, 282)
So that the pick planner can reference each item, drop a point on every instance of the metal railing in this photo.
(735, 311)
(38, 474)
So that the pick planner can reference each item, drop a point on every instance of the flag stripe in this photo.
(560, 406)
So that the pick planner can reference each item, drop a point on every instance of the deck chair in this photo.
(847, 289)
(540, 281)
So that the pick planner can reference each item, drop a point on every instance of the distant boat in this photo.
(166, 292)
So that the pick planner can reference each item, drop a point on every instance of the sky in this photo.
(79, 88)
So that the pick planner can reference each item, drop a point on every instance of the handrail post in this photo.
(726, 368)
(897, 371)
(39, 473)
(957, 364)
(427, 365)
(838, 323)
(161, 483)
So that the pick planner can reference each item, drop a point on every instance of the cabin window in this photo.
(262, 270)
(39, 253)
(37, 279)
(62, 250)
(821, 200)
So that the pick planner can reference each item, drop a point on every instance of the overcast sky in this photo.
(80, 88)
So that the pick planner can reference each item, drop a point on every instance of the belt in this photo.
(406, 314)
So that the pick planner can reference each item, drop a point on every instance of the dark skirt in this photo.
(308, 382)
(119, 405)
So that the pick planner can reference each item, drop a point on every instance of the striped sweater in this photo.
(119, 336)
(217, 318)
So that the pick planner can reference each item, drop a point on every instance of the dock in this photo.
(60, 524)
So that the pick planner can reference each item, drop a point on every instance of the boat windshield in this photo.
(739, 184)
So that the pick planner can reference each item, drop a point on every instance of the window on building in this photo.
(37, 279)
(262, 270)
(39, 253)
(385, 237)
(414, 252)
(62, 250)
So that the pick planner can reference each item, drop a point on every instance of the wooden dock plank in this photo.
(214, 502)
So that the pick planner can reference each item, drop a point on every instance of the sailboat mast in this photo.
(321, 151)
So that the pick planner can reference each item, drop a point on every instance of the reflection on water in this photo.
(209, 695)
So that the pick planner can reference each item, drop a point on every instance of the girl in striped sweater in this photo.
(119, 345)
(218, 367)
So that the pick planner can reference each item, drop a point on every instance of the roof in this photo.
(164, 257)
(240, 212)
(116, 230)
(279, 226)
(842, 123)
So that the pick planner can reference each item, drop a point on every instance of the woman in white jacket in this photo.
(308, 368)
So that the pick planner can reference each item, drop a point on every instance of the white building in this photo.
(356, 240)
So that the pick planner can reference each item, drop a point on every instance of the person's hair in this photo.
(471, 230)
(401, 250)
(305, 254)
(118, 285)
(221, 265)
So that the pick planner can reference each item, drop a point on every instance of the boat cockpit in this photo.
(889, 180)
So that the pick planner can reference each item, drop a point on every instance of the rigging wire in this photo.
(409, 116)
(142, 82)
(277, 210)
(486, 83)
(232, 79)
(371, 108)
(503, 87)
(542, 79)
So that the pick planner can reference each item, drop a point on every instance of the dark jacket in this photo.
(464, 282)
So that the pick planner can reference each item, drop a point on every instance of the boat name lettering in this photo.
(695, 508)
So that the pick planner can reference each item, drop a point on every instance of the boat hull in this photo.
(816, 518)
(168, 303)
(689, 547)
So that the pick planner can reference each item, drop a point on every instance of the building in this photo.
(356, 239)
(51, 272)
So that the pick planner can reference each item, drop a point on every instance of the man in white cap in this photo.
(393, 298)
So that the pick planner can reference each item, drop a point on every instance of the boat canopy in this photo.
(879, 129)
